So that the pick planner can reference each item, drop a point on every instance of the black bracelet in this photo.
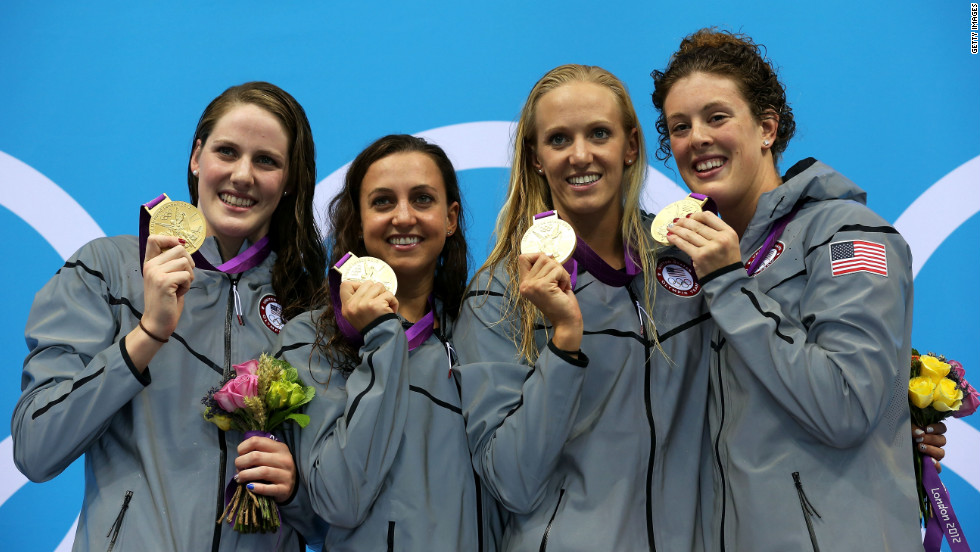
(153, 337)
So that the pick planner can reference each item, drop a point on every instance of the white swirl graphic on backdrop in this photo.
(478, 145)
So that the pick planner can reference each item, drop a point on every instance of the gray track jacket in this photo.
(385, 458)
(809, 376)
(82, 395)
(598, 453)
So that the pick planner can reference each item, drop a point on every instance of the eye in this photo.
(425, 199)
(266, 160)
(381, 201)
(718, 117)
(558, 140)
(677, 128)
(601, 133)
(226, 151)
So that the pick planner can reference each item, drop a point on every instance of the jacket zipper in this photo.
(117, 525)
(721, 471)
(808, 511)
(226, 372)
(648, 404)
(547, 530)
(391, 536)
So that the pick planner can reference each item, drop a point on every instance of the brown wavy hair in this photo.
(345, 235)
(736, 56)
(298, 273)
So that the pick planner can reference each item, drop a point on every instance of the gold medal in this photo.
(550, 235)
(676, 210)
(360, 269)
(179, 219)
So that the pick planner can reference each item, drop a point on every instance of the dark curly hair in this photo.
(298, 273)
(345, 231)
(733, 55)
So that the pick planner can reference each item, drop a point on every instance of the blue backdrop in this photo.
(99, 100)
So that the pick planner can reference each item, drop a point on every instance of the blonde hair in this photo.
(528, 194)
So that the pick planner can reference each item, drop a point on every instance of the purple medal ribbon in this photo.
(250, 258)
(593, 264)
(941, 508)
(417, 334)
(709, 204)
(777, 230)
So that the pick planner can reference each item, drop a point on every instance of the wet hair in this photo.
(529, 194)
(345, 235)
(298, 272)
(737, 57)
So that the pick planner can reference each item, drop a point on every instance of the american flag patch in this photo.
(847, 257)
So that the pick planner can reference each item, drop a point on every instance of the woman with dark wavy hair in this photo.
(386, 463)
(155, 471)
(810, 293)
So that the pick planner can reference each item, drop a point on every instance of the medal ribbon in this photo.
(593, 264)
(777, 230)
(250, 258)
(417, 334)
(709, 204)
(939, 499)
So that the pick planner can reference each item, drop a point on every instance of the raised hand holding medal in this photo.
(708, 240)
(367, 289)
(693, 203)
(179, 219)
(549, 235)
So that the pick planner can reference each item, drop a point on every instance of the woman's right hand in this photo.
(547, 285)
(168, 271)
(363, 302)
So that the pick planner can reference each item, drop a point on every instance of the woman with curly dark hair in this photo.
(811, 297)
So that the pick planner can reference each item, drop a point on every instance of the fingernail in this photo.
(236, 477)
(671, 225)
(922, 448)
(930, 429)
(920, 439)
(251, 486)
(670, 233)
(687, 215)
(182, 241)
(676, 219)
(918, 432)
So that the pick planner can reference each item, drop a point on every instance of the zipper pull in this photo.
(450, 352)
(238, 303)
(117, 525)
(640, 312)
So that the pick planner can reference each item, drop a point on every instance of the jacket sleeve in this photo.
(518, 417)
(357, 425)
(837, 360)
(77, 376)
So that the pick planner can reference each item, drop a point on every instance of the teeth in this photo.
(709, 164)
(587, 179)
(237, 201)
(404, 240)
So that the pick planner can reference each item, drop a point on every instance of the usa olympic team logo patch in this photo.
(271, 312)
(677, 277)
(771, 257)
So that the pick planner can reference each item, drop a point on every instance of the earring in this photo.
(284, 194)
(765, 142)
(194, 172)
(540, 171)
(629, 161)
(449, 233)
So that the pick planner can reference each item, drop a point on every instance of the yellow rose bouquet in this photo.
(938, 389)
(262, 395)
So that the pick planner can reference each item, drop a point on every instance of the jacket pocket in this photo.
(808, 510)
(551, 523)
(117, 525)
(391, 536)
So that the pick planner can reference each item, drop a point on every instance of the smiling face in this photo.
(720, 147)
(241, 172)
(581, 147)
(405, 215)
